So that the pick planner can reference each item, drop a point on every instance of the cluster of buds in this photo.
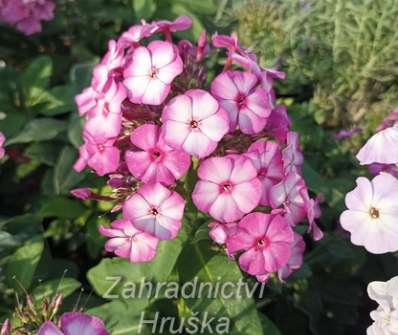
(31, 315)
(153, 120)
(26, 15)
(372, 207)
(42, 319)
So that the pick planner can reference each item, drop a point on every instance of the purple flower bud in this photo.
(83, 193)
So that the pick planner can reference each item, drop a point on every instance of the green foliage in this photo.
(341, 53)
(23, 263)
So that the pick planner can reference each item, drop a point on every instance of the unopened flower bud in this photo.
(6, 328)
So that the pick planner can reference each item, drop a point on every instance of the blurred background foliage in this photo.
(341, 54)
(340, 57)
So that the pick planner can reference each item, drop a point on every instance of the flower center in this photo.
(153, 211)
(156, 154)
(262, 172)
(226, 186)
(263, 242)
(106, 109)
(241, 100)
(100, 147)
(374, 213)
(153, 72)
(194, 124)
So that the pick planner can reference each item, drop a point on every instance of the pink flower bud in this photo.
(6, 328)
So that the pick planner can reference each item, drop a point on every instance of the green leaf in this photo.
(269, 327)
(35, 78)
(44, 152)
(65, 286)
(65, 178)
(24, 225)
(37, 130)
(198, 261)
(80, 75)
(314, 180)
(75, 131)
(202, 233)
(61, 207)
(143, 9)
(203, 7)
(58, 100)
(7, 240)
(13, 123)
(23, 263)
(333, 250)
(95, 241)
(122, 317)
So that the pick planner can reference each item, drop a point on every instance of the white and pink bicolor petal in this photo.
(152, 69)
(156, 210)
(381, 148)
(194, 122)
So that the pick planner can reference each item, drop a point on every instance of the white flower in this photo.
(385, 317)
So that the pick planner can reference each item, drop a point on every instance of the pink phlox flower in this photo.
(219, 232)
(313, 213)
(104, 120)
(296, 258)
(149, 74)
(81, 162)
(194, 122)
(292, 194)
(103, 157)
(128, 242)
(292, 154)
(232, 45)
(156, 210)
(265, 241)
(110, 68)
(267, 158)
(279, 123)
(266, 76)
(135, 34)
(86, 100)
(228, 188)
(179, 24)
(246, 102)
(74, 323)
(155, 161)
(26, 16)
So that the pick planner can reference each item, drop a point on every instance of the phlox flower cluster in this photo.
(385, 317)
(155, 124)
(372, 206)
(26, 15)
